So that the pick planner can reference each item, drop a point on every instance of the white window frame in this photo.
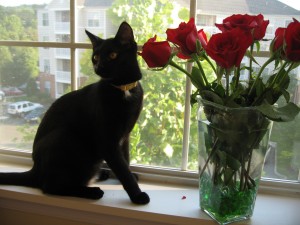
(182, 175)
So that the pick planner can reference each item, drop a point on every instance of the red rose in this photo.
(185, 37)
(253, 24)
(156, 54)
(202, 38)
(292, 41)
(278, 40)
(260, 30)
(229, 48)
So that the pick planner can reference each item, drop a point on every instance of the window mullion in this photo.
(187, 109)
(186, 126)
(74, 83)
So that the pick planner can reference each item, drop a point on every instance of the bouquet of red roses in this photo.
(239, 36)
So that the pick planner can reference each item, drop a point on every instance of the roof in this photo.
(264, 7)
(95, 3)
(271, 7)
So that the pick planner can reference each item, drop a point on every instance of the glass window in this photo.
(46, 65)
(42, 73)
(45, 21)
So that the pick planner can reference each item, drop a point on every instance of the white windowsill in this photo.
(167, 207)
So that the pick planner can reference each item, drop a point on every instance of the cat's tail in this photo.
(27, 178)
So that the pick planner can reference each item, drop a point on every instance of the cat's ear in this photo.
(93, 38)
(125, 34)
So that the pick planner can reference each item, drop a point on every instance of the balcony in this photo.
(63, 77)
(62, 27)
(62, 53)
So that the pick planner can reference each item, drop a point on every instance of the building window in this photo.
(93, 23)
(46, 65)
(96, 20)
(206, 20)
(63, 38)
(47, 87)
(45, 21)
(63, 16)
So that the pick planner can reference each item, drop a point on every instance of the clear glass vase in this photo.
(232, 147)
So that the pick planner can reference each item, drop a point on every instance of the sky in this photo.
(293, 3)
(21, 2)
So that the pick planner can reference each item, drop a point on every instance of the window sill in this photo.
(167, 207)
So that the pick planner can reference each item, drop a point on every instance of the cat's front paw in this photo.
(141, 199)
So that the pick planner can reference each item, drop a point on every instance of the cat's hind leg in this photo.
(74, 191)
(71, 181)
(63, 167)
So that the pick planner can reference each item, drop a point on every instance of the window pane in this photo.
(93, 16)
(157, 137)
(282, 161)
(31, 79)
(42, 21)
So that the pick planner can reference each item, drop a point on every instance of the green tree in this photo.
(17, 64)
(86, 67)
(18, 23)
(146, 17)
(157, 137)
(286, 135)
(21, 67)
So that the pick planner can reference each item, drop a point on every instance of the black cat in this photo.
(85, 127)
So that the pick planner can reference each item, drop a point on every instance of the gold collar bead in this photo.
(127, 87)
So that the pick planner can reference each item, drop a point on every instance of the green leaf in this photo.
(220, 72)
(286, 95)
(218, 89)
(248, 54)
(282, 114)
(211, 96)
(227, 160)
(194, 97)
(257, 46)
(233, 163)
(222, 157)
(274, 91)
(260, 87)
(196, 78)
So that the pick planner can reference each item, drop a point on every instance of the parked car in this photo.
(22, 107)
(35, 115)
(12, 91)
(2, 96)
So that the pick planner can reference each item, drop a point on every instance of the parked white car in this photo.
(2, 96)
(22, 107)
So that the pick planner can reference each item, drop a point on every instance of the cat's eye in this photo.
(113, 55)
(96, 57)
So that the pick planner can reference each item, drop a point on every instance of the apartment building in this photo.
(54, 25)
(279, 15)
